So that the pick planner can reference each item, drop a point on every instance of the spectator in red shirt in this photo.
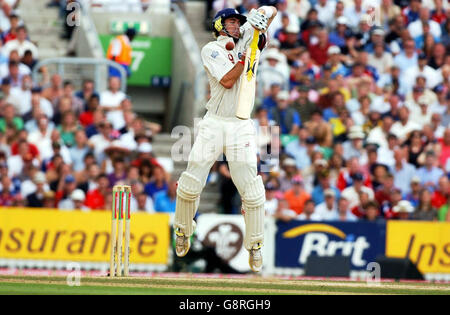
(11, 34)
(438, 14)
(96, 199)
(440, 195)
(310, 25)
(387, 208)
(87, 117)
(319, 51)
(22, 137)
(383, 195)
(445, 148)
(326, 99)
(345, 180)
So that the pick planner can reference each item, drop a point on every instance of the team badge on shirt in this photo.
(214, 54)
(230, 56)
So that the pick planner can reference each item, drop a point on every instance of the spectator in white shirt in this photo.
(16, 163)
(308, 213)
(299, 7)
(38, 101)
(273, 71)
(378, 135)
(14, 56)
(21, 44)
(354, 146)
(14, 74)
(402, 171)
(407, 58)
(79, 150)
(420, 114)
(410, 75)
(33, 123)
(327, 210)
(386, 154)
(74, 201)
(9, 95)
(415, 28)
(284, 213)
(42, 137)
(354, 13)
(271, 203)
(404, 125)
(4, 21)
(436, 125)
(351, 194)
(23, 94)
(92, 173)
(381, 59)
(344, 213)
(101, 141)
(110, 102)
(140, 201)
(283, 10)
(440, 106)
(325, 10)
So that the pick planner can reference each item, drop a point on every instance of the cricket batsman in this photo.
(220, 132)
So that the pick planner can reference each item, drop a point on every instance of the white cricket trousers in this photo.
(237, 140)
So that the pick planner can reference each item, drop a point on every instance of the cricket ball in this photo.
(229, 46)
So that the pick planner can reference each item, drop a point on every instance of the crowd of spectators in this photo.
(65, 149)
(360, 93)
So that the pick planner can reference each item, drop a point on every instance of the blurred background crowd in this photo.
(354, 95)
(65, 148)
(360, 92)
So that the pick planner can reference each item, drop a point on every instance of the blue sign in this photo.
(295, 241)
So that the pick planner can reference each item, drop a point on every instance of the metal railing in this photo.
(99, 66)
(200, 81)
(91, 32)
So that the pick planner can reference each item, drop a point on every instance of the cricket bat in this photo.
(247, 88)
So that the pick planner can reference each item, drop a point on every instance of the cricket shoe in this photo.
(255, 258)
(182, 242)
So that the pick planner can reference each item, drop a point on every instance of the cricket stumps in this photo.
(120, 213)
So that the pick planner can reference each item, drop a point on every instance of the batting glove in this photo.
(262, 41)
(258, 20)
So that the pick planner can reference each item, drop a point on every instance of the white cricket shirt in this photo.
(218, 61)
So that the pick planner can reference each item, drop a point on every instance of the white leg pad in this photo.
(188, 199)
(253, 200)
